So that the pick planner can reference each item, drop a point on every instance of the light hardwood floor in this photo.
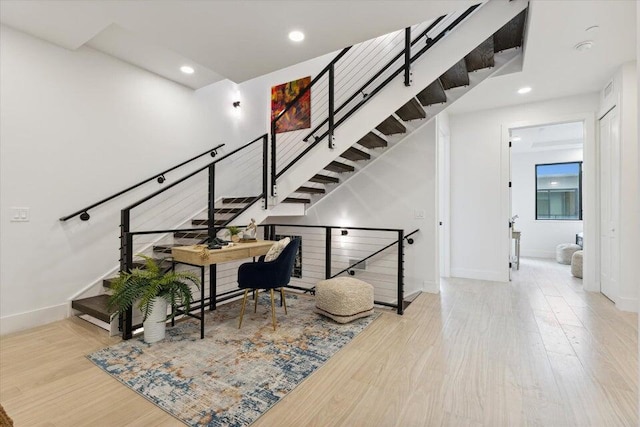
(537, 352)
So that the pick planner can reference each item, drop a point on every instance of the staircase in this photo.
(384, 120)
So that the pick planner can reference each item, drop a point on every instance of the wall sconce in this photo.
(344, 232)
(236, 104)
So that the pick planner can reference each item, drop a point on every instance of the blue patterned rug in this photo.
(231, 377)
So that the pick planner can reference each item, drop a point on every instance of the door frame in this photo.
(590, 214)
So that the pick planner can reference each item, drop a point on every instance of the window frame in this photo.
(535, 172)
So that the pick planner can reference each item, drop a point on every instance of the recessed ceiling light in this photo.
(187, 69)
(582, 46)
(516, 138)
(524, 90)
(296, 36)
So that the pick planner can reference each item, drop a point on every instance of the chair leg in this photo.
(273, 310)
(244, 302)
(256, 293)
(284, 300)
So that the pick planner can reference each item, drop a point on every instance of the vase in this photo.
(235, 238)
(155, 325)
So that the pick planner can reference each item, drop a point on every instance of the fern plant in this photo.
(143, 285)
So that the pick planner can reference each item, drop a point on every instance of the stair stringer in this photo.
(442, 56)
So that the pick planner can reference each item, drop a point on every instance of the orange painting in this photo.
(298, 116)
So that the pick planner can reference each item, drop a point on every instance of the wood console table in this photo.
(200, 256)
(515, 235)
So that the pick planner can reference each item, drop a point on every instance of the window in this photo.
(559, 191)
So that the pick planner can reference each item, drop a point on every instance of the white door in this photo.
(609, 203)
(443, 165)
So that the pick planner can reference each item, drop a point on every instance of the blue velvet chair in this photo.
(254, 276)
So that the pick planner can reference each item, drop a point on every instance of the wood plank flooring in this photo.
(537, 351)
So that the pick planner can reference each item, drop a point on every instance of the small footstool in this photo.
(576, 264)
(344, 299)
(564, 252)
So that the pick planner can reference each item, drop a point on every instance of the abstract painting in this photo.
(299, 115)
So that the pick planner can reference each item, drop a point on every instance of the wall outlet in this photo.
(19, 214)
(419, 214)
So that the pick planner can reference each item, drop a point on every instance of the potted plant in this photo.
(234, 232)
(153, 289)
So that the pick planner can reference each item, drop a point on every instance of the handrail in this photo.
(184, 178)
(84, 214)
(317, 139)
(375, 76)
(410, 241)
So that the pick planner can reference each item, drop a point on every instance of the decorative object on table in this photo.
(513, 221)
(344, 299)
(297, 264)
(564, 252)
(299, 115)
(152, 289)
(250, 232)
(269, 274)
(234, 232)
(576, 264)
(233, 376)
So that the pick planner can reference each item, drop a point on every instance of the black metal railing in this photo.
(338, 115)
(160, 177)
(222, 284)
(127, 250)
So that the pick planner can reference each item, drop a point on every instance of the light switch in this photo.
(19, 214)
(418, 214)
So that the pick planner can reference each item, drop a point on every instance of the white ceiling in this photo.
(549, 137)
(552, 67)
(241, 40)
(235, 39)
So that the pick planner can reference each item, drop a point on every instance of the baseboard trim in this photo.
(431, 286)
(467, 273)
(31, 319)
(627, 304)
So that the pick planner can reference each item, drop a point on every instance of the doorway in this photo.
(546, 189)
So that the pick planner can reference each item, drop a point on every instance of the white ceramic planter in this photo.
(155, 325)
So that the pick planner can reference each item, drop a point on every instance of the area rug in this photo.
(232, 376)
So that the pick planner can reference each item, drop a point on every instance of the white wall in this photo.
(76, 126)
(479, 179)
(539, 238)
(385, 194)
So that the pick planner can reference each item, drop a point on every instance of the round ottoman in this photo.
(576, 264)
(344, 299)
(564, 252)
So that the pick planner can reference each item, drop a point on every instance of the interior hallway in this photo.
(537, 351)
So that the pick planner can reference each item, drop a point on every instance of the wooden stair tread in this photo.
(481, 57)
(391, 126)
(323, 179)
(247, 199)
(310, 190)
(371, 140)
(412, 110)
(191, 235)
(339, 167)
(206, 222)
(94, 306)
(166, 249)
(296, 200)
(511, 34)
(455, 76)
(355, 155)
(432, 94)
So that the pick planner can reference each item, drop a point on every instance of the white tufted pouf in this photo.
(576, 264)
(344, 299)
(564, 252)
